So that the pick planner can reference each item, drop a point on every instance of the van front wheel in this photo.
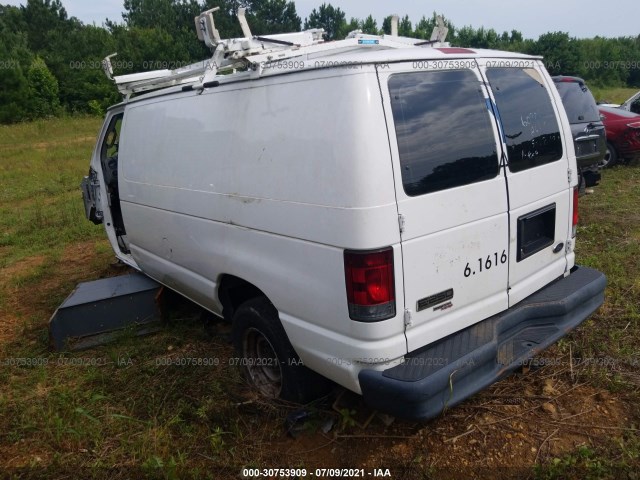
(267, 358)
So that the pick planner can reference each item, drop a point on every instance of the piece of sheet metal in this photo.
(95, 311)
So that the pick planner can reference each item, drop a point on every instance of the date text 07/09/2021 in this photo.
(316, 473)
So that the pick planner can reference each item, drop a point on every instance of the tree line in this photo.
(50, 63)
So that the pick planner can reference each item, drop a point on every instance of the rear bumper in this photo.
(443, 374)
(627, 147)
(630, 154)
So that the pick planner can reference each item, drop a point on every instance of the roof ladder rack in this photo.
(257, 53)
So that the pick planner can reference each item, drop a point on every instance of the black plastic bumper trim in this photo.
(445, 373)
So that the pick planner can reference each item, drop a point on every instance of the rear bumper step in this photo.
(445, 373)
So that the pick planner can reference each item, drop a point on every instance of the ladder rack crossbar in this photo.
(259, 53)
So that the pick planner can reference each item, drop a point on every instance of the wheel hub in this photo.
(262, 364)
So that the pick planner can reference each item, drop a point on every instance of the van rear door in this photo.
(538, 172)
(451, 196)
(101, 187)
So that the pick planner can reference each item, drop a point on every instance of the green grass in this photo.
(612, 95)
(590, 464)
(120, 412)
(609, 240)
(41, 166)
(60, 130)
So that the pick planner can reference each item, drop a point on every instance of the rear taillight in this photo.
(370, 284)
(574, 222)
(635, 130)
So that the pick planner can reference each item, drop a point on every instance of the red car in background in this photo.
(623, 135)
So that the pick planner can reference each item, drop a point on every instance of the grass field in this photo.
(135, 409)
(613, 95)
(42, 163)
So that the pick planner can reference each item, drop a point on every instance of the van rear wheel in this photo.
(262, 364)
(266, 357)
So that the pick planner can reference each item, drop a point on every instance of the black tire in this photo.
(610, 157)
(590, 178)
(267, 358)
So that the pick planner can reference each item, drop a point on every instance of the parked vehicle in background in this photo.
(586, 127)
(623, 135)
(633, 104)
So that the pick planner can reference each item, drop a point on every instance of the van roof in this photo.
(331, 59)
(424, 53)
(277, 54)
(252, 57)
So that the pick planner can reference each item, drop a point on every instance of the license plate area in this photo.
(588, 147)
(536, 231)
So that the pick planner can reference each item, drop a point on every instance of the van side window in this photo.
(528, 120)
(443, 130)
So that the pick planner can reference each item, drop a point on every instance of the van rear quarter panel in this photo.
(268, 180)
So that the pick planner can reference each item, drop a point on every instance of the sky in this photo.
(580, 18)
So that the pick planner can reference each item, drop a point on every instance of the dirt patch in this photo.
(37, 299)
(517, 423)
(20, 268)
(513, 427)
(18, 457)
(12, 309)
(9, 327)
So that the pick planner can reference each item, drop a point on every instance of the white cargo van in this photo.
(397, 216)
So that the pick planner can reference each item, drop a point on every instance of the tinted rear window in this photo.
(578, 102)
(528, 119)
(443, 130)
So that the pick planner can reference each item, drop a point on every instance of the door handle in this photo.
(558, 247)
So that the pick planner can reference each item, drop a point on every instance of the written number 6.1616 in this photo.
(486, 263)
